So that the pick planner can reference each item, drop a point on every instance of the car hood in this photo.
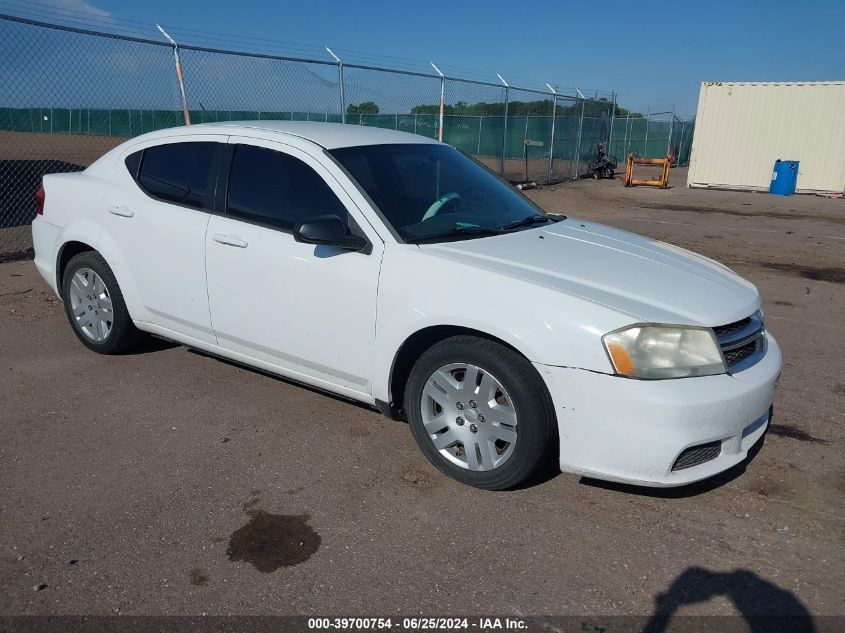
(646, 279)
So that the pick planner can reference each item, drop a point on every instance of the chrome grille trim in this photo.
(743, 329)
(743, 343)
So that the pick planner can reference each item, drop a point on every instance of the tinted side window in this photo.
(177, 172)
(276, 188)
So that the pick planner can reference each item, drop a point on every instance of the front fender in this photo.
(418, 290)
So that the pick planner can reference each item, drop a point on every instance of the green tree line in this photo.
(540, 107)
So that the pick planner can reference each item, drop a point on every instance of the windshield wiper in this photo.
(458, 231)
(527, 221)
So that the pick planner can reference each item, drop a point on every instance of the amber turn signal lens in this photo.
(621, 360)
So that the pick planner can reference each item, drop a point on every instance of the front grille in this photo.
(734, 356)
(695, 455)
(731, 329)
(743, 342)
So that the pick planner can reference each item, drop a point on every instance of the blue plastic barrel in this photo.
(784, 178)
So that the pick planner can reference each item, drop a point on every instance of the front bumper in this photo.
(633, 431)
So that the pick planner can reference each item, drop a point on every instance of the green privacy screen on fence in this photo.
(642, 136)
(476, 135)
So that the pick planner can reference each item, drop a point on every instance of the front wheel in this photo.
(480, 412)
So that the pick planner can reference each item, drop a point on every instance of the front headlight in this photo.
(660, 351)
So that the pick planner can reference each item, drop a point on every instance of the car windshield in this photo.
(429, 192)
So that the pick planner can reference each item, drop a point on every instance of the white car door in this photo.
(158, 207)
(308, 312)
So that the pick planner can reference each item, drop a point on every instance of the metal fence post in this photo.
(480, 121)
(504, 127)
(179, 77)
(671, 125)
(612, 119)
(625, 142)
(340, 84)
(442, 100)
(681, 141)
(645, 144)
(552, 139)
(577, 162)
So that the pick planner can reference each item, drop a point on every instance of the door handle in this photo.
(229, 240)
(124, 212)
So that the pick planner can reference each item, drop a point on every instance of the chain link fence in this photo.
(652, 135)
(69, 95)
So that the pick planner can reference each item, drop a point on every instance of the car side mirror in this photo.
(328, 230)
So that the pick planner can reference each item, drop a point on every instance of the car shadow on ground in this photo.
(681, 492)
(149, 344)
(764, 606)
(294, 383)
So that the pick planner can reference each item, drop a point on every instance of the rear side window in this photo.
(278, 189)
(177, 172)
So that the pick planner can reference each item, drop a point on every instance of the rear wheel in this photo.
(480, 412)
(94, 305)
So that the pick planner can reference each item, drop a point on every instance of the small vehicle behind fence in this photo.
(602, 164)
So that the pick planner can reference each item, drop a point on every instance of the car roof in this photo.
(327, 135)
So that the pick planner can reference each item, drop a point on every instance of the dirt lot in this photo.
(136, 484)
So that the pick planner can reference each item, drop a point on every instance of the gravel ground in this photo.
(141, 484)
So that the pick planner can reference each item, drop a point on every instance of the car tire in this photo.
(487, 385)
(95, 307)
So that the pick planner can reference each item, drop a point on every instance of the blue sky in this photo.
(651, 53)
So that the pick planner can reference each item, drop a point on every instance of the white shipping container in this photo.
(741, 129)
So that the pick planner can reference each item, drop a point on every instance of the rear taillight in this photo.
(39, 200)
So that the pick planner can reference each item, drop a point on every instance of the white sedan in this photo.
(390, 269)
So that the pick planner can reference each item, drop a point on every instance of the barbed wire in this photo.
(247, 43)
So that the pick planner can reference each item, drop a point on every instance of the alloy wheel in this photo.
(469, 417)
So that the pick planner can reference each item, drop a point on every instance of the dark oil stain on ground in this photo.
(270, 541)
(839, 389)
(794, 433)
(833, 275)
(783, 303)
(198, 577)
